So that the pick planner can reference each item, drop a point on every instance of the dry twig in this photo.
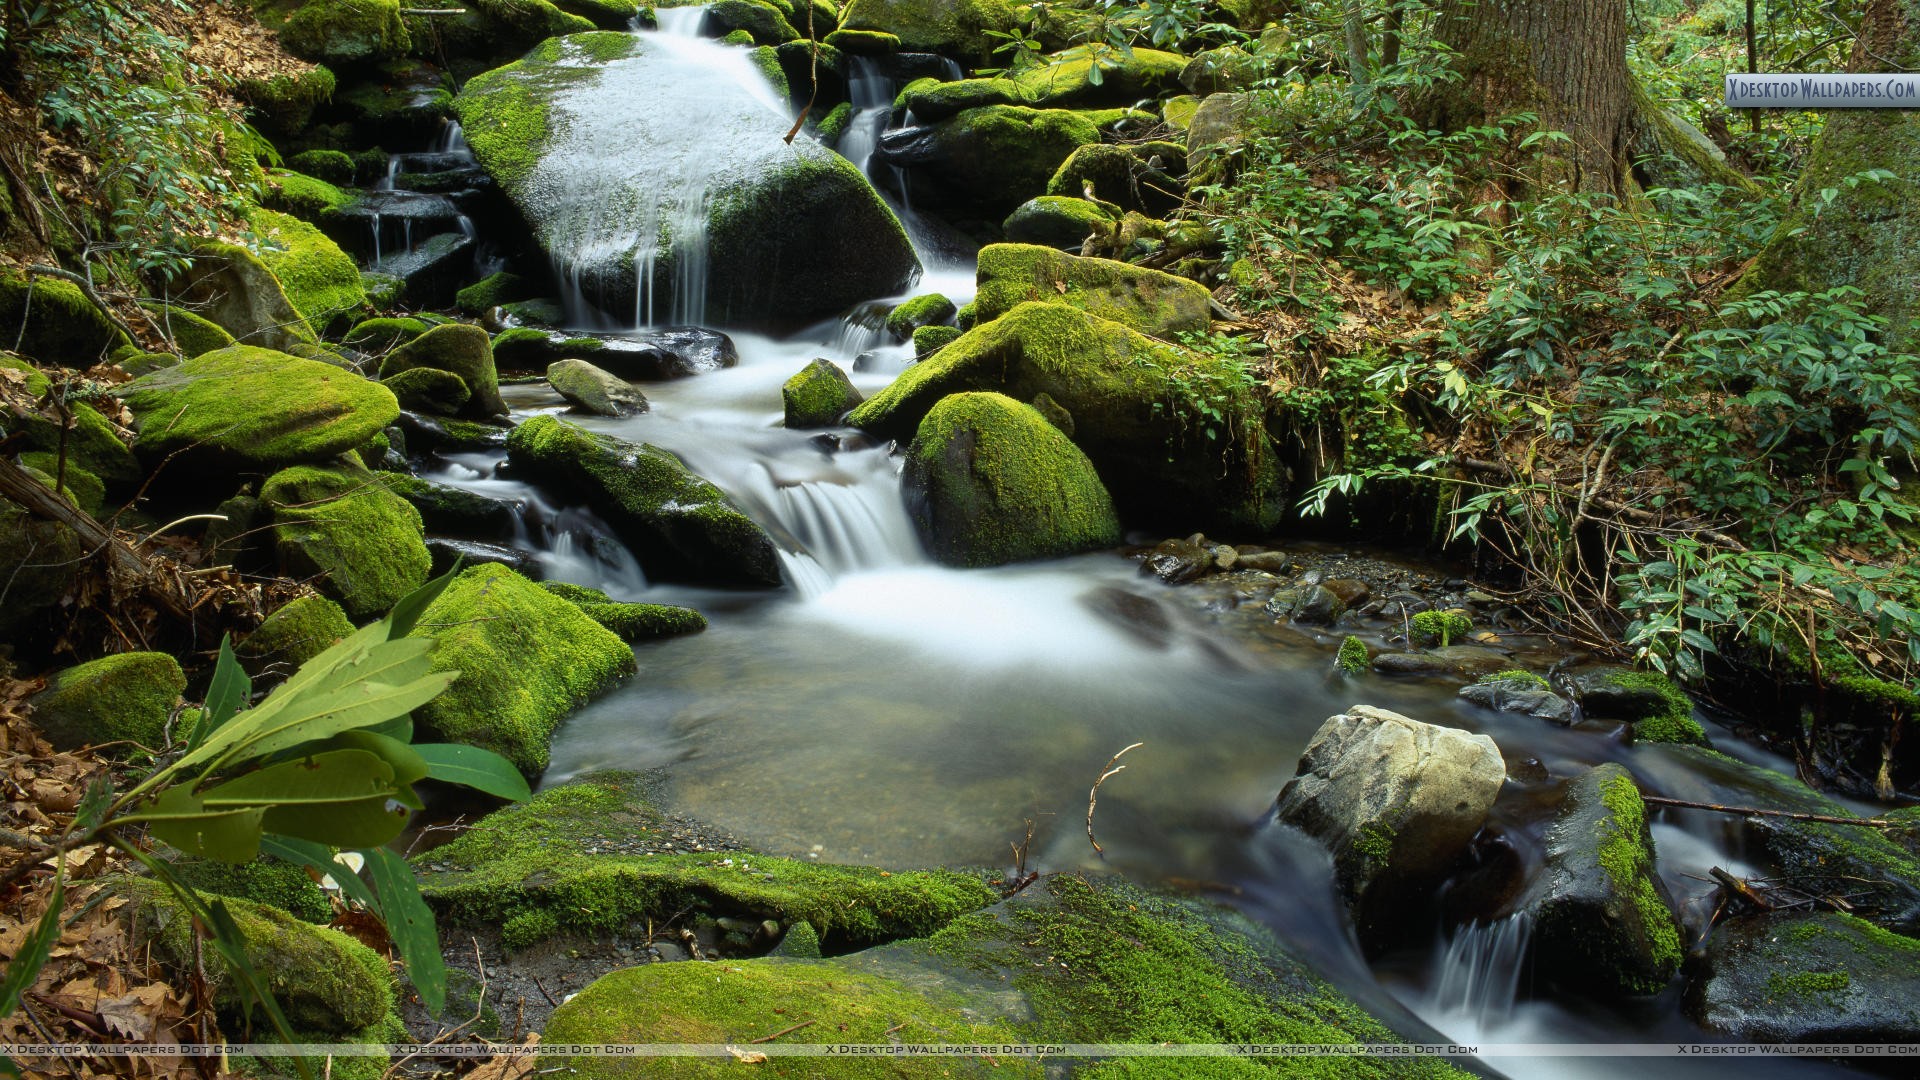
(1093, 796)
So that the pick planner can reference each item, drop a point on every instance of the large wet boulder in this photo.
(1808, 977)
(988, 481)
(319, 280)
(340, 526)
(49, 320)
(235, 290)
(818, 395)
(460, 349)
(526, 659)
(455, 511)
(594, 391)
(1879, 878)
(1133, 410)
(1157, 304)
(1068, 959)
(125, 698)
(677, 524)
(988, 160)
(788, 230)
(1394, 800)
(252, 408)
(345, 31)
(1055, 220)
(964, 29)
(584, 857)
(1602, 923)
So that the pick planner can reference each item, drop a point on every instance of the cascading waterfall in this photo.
(570, 544)
(1481, 971)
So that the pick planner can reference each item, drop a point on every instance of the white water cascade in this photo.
(1481, 971)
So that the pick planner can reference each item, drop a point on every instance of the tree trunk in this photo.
(1565, 61)
(1868, 237)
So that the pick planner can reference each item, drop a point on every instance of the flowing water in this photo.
(883, 709)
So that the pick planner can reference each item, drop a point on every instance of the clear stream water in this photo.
(882, 709)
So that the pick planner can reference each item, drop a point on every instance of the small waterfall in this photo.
(681, 21)
(573, 546)
(1481, 970)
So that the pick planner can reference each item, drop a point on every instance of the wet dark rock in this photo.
(1273, 562)
(1462, 660)
(1395, 800)
(652, 355)
(1177, 562)
(1492, 873)
(1603, 923)
(1351, 591)
(591, 389)
(427, 433)
(1140, 617)
(389, 222)
(1517, 697)
(445, 551)
(452, 511)
(1817, 977)
(431, 273)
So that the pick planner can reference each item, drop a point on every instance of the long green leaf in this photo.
(34, 948)
(318, 857)
(337, 776)
(323, 716)
(180, 818)
(225, 694)
(410, 925)
(409, 767)
(385, 663)
(406, 614)
(365, 823)
(482, 770)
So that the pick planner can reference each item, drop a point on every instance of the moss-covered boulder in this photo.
(1156, 304)
(1879, 878)
(324, 981)
(381, 334)
(1222, 70)
(191, 333)
(819, 395)
(1602, 922)
(526, 659)
(124, 698)
(1055, 220)
(926, 310)
(963, 29)
(930, 99)
(1067, 79)
(633, 622)
(930, 339)
(296, 632)
(792, 230)
(304, 197)
(462, 349)
(340, 525)
(346, 31)
(251, 408)
(429, 390)
(234, 289)
(493, 290)
(320, 281)
(1140, 409)
(55, 323)
(81, 487)
(989, 160)
(91, 442)
(676, 523)
(285, 100)
(1140, 177)
(1658, 709)
(40, 560)
(1807, 977)
(265, 880)
(573, 857)
(989, 481)
(763, 23)
(593, 390)
(333, 166)
(1069, 959)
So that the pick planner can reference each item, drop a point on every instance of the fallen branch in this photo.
(43, 502)
(1735, 887)
(1093, 796)
(1790, 815)
(782, 1031)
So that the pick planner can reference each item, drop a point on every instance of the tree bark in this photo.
(1565, 61)
(1868, 236)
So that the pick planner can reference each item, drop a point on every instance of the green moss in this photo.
(966, 316)
(1673, 722)
(1439, 627)
(764, 23)
(125, 698)
(645, 622)
(191, 334)
(332, 166)
(990, 481)
(321, 281)
(526, 659)
(296, 632)
(54, 322)
(961, 28)
(818, 396)
(343, 527)
(928, 340)
(492, 291)
(920, 311)
(81, 487)
(383, 334)
(459, 349)
(1067, 78)
(265, 880)
(346, 31)
(429, 390)
(863, 42)
(1804, 984)
(256, 408)
(1518, 677)
(286, 102)
(1055, 220)
(834, 125)
(92, 444)
(801, 941)
(1178, 111)
(533, 857)
(302, 196)
(999, 156)
(1353, 656)
(1156, 304)
(1628, 863)
(504, 111)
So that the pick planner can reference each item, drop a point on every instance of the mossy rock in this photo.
(430, 391)
(864, 42)
(819, 395)
(927, 310)
(1223, 70)
(990, 160)
(930, 339)
(54, 323)
(320, 281)
(304, 197)
(81, 487)
(286, 102)
(266, 880)
(191, 333)
(346, 31)
(296, 632)
(493, 290)
(594, 390)
(1178, 112)
(127, 697)
(92, 443)
(1156, 304)
(526, 659)
(548, 855)
(451, 511)
(988, 481)
(232, 287)
(931, 99)
(677, 523)
(1603, 924)
(764, 23)
(341, 526)
(1656, 707)
(1134, 408)
(332, 166)
(1066, 80)
(520, 24)
(1142, 177)
(1807, 977)
(963, 29)
(633, 622)
(1057, 221)
(251, 408)
(384, 334)
(323, 980)
(40, 560)
(462, 349)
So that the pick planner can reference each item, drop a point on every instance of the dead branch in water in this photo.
(1093, 796)
(1790, 815)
